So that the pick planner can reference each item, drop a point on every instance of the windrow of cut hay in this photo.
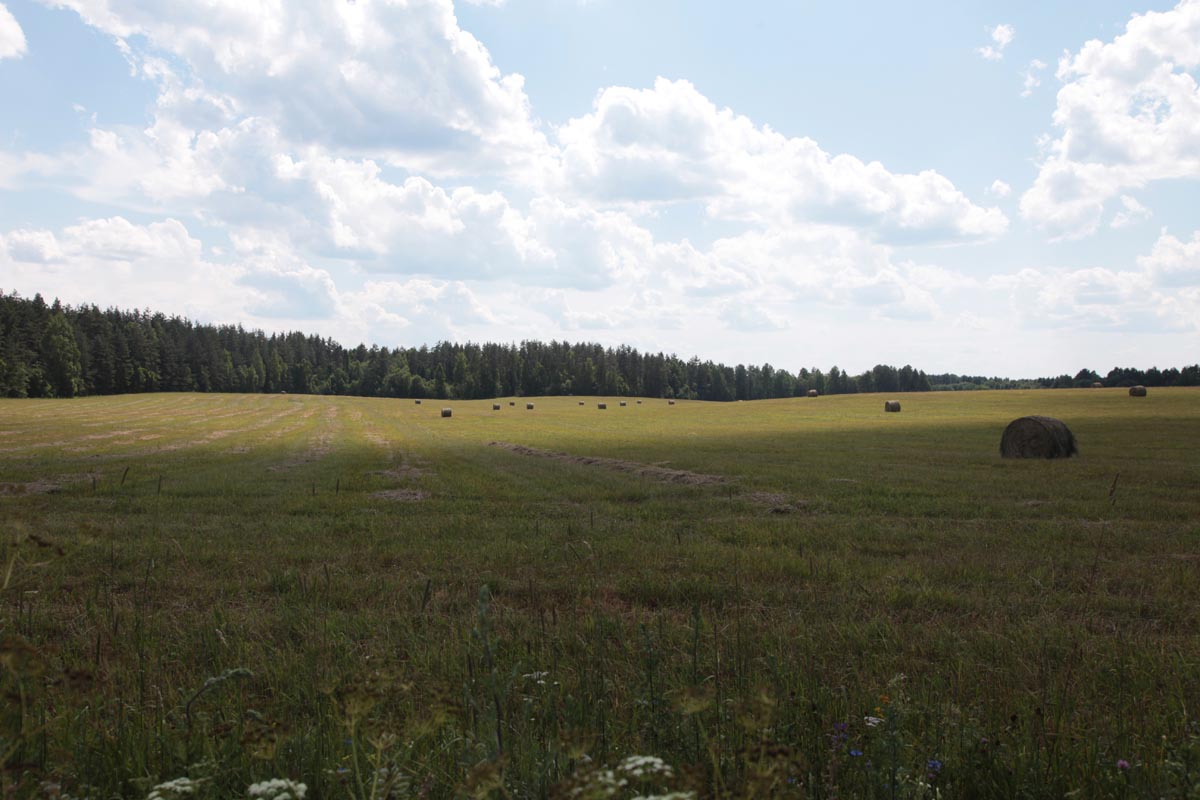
(649, 471)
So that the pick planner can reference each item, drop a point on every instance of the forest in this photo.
(56, 350)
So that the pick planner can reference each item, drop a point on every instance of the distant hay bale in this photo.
(418, 402)
(670, 402)
(813, 393)
(581, 402)
(495, 406)
(891, 405)
(623, 404)
(601, 406)
(446, 412)
(512, 402)
(639, 402)
(529, 406)
(1137, 391)
(1037, 437)
(1097, 385)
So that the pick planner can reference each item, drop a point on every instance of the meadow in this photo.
(785, 598)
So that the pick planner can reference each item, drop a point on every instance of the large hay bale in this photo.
(601, 406)
(1097, 385)
(1037, 437)
(639, 402)
(622, 404)
(418, 402)
(891, 405)
(446, 412)
(529, 406)
(512, 402)
(670, 402)
(813, 393)
(580, 402)
(1137, 391)
(495, 406)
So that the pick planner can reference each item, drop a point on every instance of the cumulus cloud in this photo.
(671, 144)
(1128, 114)
(12, 38)
(1032, 77)
(118, 262)
(401, 80)
(1002, 36)
(999, 188)
(1174, 263)
(1161, 294)
(1131, 213)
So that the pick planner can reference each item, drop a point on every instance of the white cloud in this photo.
(400, 80)
(1160, 295)
(1032, 77)
(12, 38)
(1131, 213)
(1128, 114)
(999, 188)
(1002, 36)
(671, 144)
(32, 246)
(1174, 264)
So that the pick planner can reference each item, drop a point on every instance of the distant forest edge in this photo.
(61, 351)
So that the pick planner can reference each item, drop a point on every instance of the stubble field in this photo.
(792, 598)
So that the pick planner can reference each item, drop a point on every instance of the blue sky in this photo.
(972, 187)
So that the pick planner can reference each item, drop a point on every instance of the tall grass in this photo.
(871, 606)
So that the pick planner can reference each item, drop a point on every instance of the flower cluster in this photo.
(277, 789)
(173, 790)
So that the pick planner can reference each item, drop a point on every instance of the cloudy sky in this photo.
(1004, 188)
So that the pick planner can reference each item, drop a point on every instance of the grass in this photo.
(360, 595)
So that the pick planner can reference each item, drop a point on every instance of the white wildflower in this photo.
(173, 790)
(641, 766)
(873, 722)
(277, 789)
(537, 677)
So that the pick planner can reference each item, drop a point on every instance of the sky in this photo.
(1007, 189)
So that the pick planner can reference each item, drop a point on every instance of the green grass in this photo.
(1025, 625)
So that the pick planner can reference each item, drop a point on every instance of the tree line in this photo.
(55, 350)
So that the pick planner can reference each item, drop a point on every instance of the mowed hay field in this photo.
(793, 598)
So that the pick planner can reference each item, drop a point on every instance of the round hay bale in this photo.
(639, 402)
(891, 405)
(495, 406)
(512, 402)
(418, 402)
(580, 402)
(1137, 391)
(1037, 437)
(623, 404)
(813, 393)
(670, 402)
(446, 412)
(601, 406)
(529, 406)
(1097, 385)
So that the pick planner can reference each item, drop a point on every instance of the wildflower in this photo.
(1122, 764)
(855, 753)
(873, 722)
(537, 677)
(640, 766)
(277, 789)
(934, 765)
(173, 790)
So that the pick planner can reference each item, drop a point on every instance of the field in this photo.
(792, 598)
